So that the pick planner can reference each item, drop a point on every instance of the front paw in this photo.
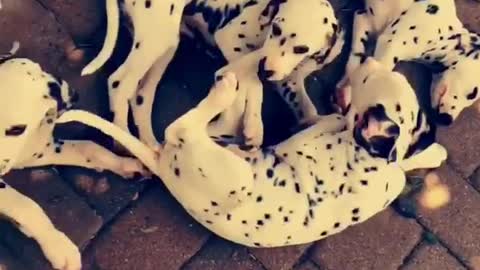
(62, 253)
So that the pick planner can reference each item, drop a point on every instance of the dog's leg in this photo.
(196, 156)
(293, 91)
(85, 154)
(431, 157)
(235, 40)
(33, 222)
(252, 119)
(247, 108)
(142, 104)
(156, 33)
(362, 28)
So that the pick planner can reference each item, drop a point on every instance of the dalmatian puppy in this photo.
(31, 101)
(279, 33)
(315, 184)
(427, 31)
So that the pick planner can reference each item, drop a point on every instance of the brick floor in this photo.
(432, 257)
(382, 242)
(155, 233)
(123, 224)
(219, 254)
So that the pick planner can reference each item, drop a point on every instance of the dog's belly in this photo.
(292, 201)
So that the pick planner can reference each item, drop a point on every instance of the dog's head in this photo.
(296, 32)
(29, 93)
(455, 89)
(382, 111)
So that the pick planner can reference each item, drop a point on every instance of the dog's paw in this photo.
(131, 167)
(62, 253)
(440, 153)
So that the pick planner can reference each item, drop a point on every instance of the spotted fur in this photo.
(280, 39)
(427, 31)
(31, 102)
(313, 185)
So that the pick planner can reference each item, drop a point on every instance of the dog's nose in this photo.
(263, 73)
(444, 119)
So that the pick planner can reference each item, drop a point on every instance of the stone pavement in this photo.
(126, 224)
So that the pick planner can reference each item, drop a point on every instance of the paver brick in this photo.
(432, 257)
(282, 258)
(307, 265)
(69, 212)
(456, 224)
(381, 243)
(105, 192)
(219, 254)
(155, 233)
(80, 18)
(461, 141)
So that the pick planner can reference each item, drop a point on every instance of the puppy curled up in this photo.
(315, 184)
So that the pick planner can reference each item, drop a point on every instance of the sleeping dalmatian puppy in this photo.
(280, 39)
(31, 101)
(427, 31)
(315, 184)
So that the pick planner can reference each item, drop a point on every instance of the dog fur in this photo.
(427, 31)
(315, 184)
(280, 39)
(32, 100)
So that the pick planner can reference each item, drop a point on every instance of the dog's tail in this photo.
(113, 26)
(146, 155)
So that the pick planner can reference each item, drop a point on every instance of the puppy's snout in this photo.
(263, 72)
(444, 119)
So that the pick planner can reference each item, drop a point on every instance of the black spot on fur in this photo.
(301, 49)
(115, 84)
(473, 94)
(139, 100)
(432, 9)
(15, 130)
(276, 30)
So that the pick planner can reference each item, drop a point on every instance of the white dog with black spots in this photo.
(262, 40)
(315, 184)
(427, 31)
(31, 102)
